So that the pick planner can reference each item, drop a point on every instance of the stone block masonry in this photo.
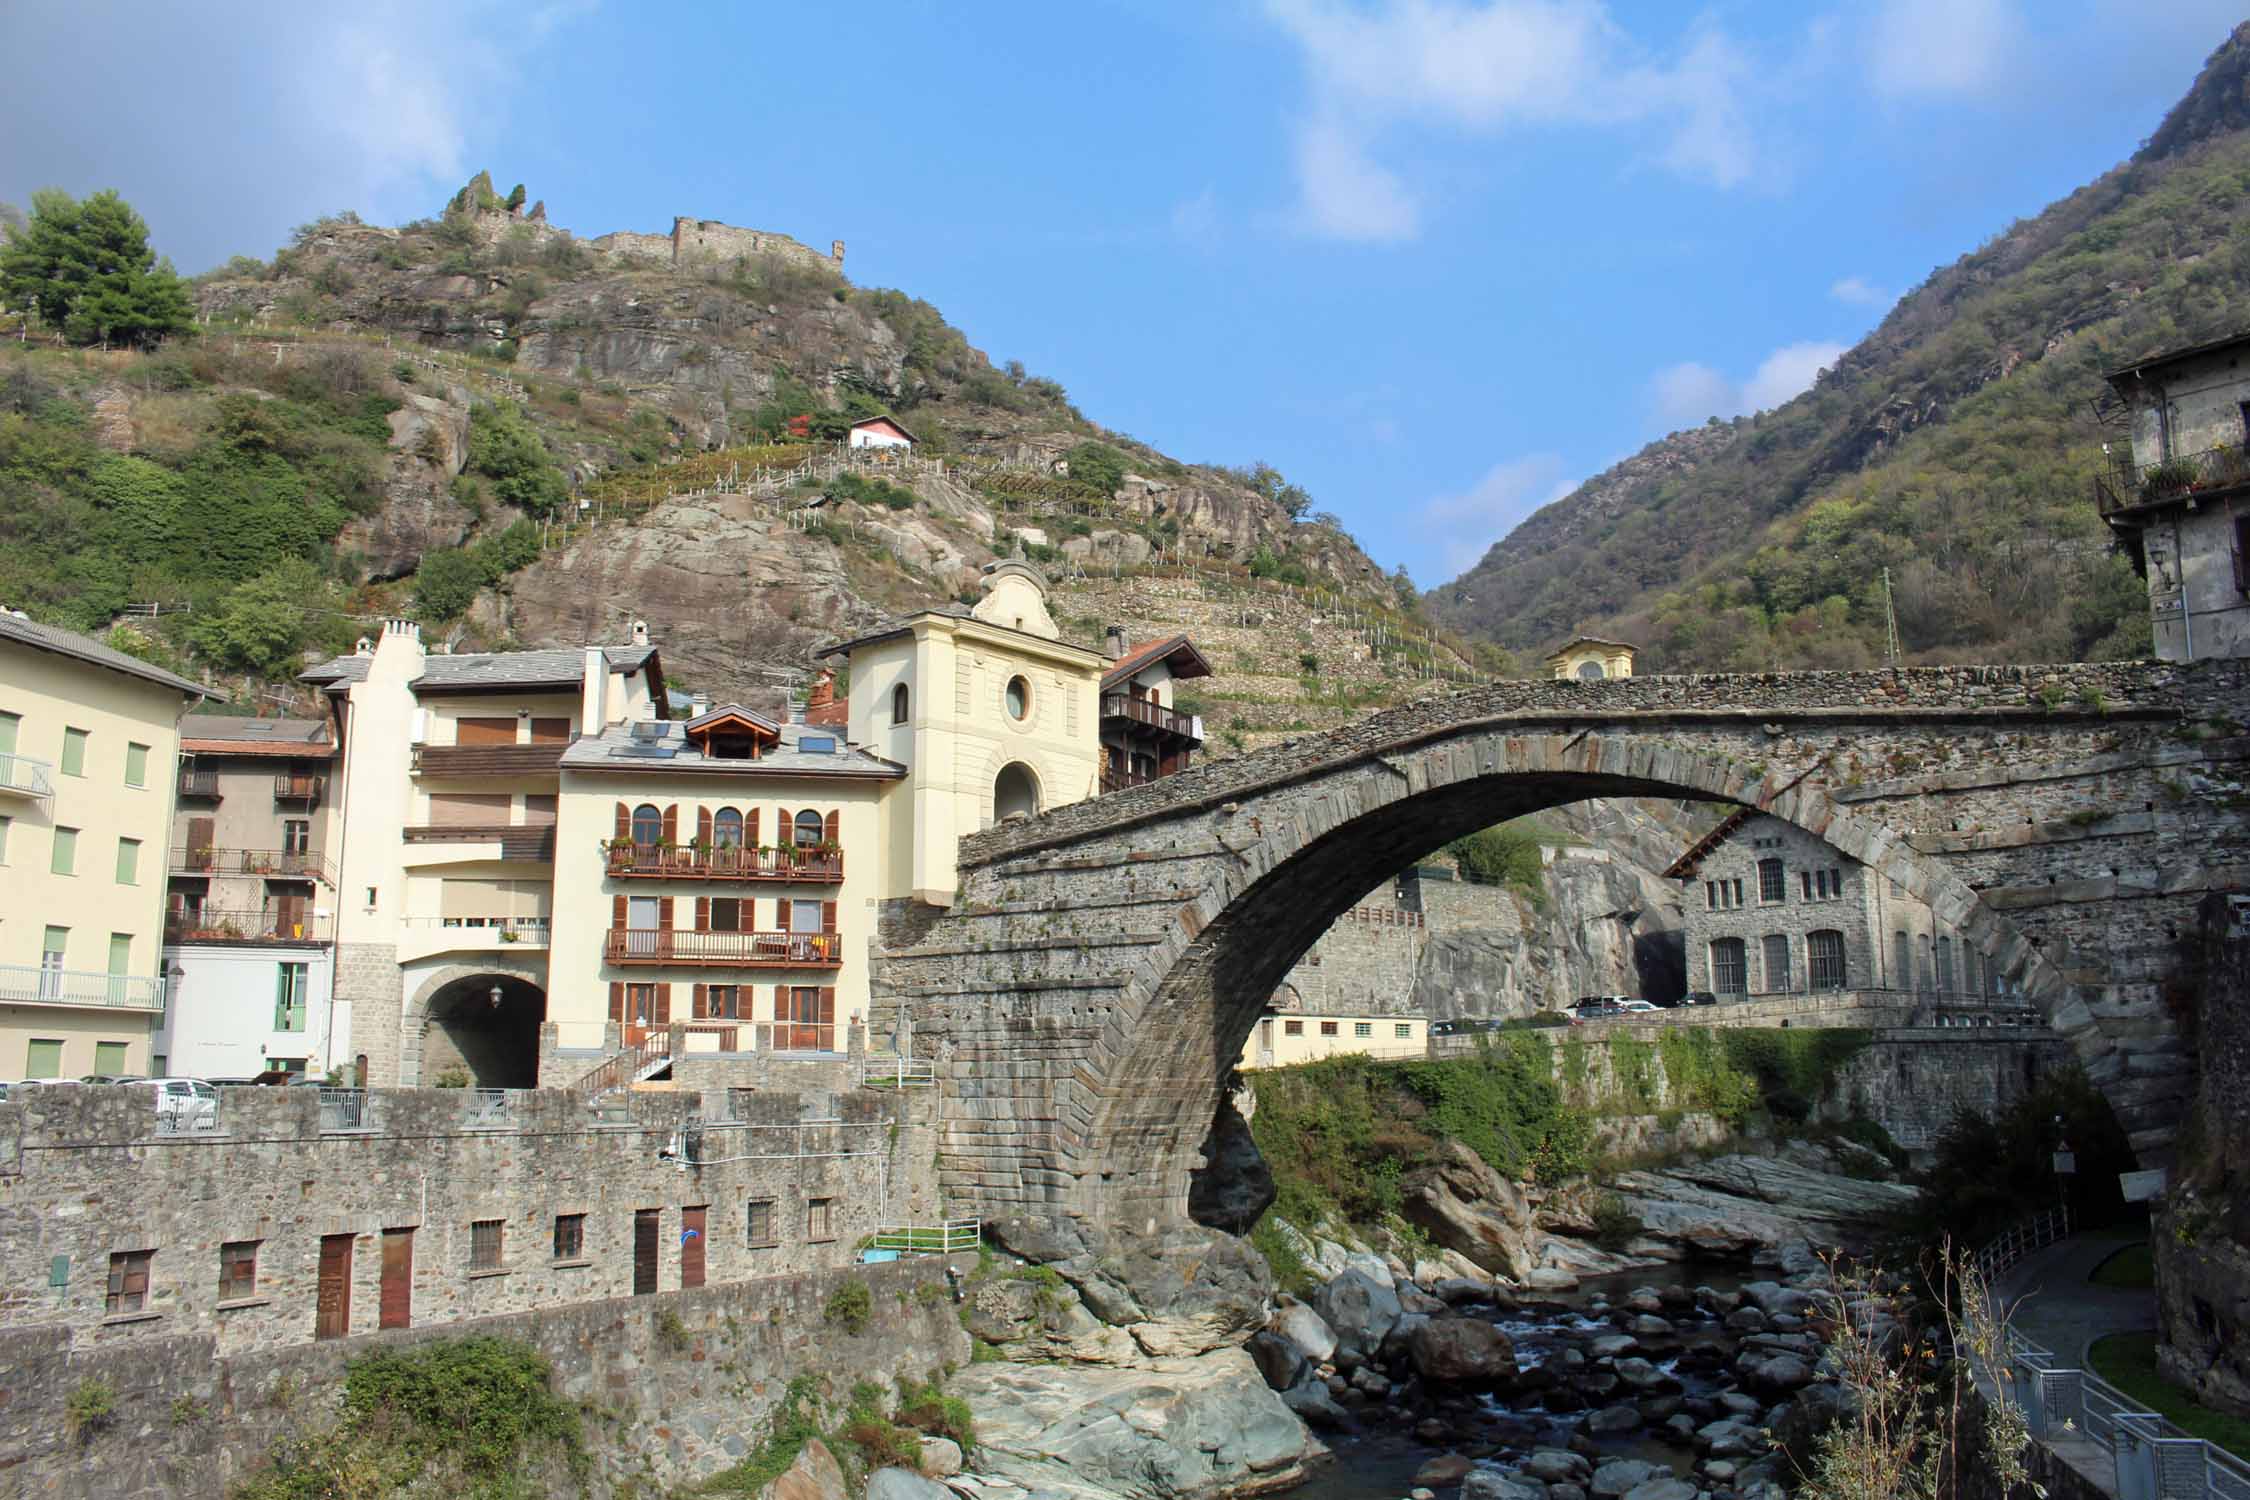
(458, 1205)
(1093, 983)
(675, 1386)
(711, 244)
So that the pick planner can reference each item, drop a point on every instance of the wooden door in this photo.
(484, 731)
(289, 916)
(200, 834)
(645, 1227)
(332, 1305)
(396, 1305)
(691, 1246)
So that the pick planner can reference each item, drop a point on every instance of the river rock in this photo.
(1643, 1376)
(1462, 1352)
(1720, 1469)
(1667, 1488)
(1305, 1328)
(1611, 1345)
(1647, 1326)
(1370, 1381)
(1359, 1309)
(1741, 1404)
(1679, 1428)
(941, 1457)
(1565, 1491)
(1466, 1206)
(1612, 1420)
(1398, 1344)
(1798, 1426)
(1619, 1475)
(1780, 1372)
(1746, 1320)
(1563, 1398)
(813, 1475)
(1659, 1408)
(1165, 1429)
(1446, 1468)
(1730, 1438)
(904, 1484)
(1557, 1466)
(1279, 1360)
(1645, 1299)
(1771, 1297)
(1460, 1291)
(1311, 1400)
(1490, 1484)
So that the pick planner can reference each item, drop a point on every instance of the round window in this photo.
(1019, 697)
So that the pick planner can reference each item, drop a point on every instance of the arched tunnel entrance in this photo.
(485, 1026)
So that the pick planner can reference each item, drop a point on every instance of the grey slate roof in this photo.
(617, 749)
(223, 727)
(86, 649)
(473, 671)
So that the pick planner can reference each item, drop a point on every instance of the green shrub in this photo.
(850, 1306)
(925, 1407)
(453, 1077)
(507, 449)
(91, 1406)
(1615, 1223)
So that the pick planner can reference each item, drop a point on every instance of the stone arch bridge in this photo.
(1090, 989)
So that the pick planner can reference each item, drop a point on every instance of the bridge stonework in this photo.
(1089, 991)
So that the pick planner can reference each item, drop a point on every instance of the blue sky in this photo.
(1436, 260)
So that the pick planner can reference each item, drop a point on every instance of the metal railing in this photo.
(624, 1068)
(26, 777)
(343, 1109)
(2020, 1239)
(952, 1237)
(1151, 713)
(487, 1108)
(2155, 1458)
(2134, 485)
(217, 924)
(897, 1072)
(721, 862)
(691, 945)
(187, 1121)
(38, 984)
(529, 930)
(273, 864)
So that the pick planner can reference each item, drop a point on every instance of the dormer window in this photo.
(732, 747)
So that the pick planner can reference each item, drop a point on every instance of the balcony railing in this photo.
(291, 787)
(36, 984)
(200, 784)
(481, 932)
(21, 776)
(220, 924)
(736, 950)
(2211, 472)
(273, 864)
(627, 861)
(1118, 781)
(1153, 714)
(543, 759)
(527, 843)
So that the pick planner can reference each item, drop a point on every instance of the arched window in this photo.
(810, 830)
(1729, 963)
(900, 700)
(1825, 952)
(648, 824)
(726, 828)
(1019, 697)
(1014, 791)
(1777, 963)
(1591, 671)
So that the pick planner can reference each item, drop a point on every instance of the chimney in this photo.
(699, 704)
(823, 690)
(1114, 647)
(407, 628)
(640, 632)
(593, 701)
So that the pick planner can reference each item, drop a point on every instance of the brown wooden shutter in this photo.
(827, 916)
(703, 914)
(828, 1005)
(780, 1003)
(835, 828)
(664, 913)
(702, 1001)
(672, 823)
(616, 1001)
(645, 1228)
(624, 824)
(395, 1302)
(703, 824)
(783, 829)
(617, 911)
(332, 1301)
(663, 1016)
(750, 829)
(692, 1227)
(494, 731)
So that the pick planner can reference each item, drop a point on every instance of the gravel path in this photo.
(2048, 1298)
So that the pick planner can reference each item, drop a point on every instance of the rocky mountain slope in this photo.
(1954, 446)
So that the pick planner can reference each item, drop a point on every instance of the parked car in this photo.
(114, 1078)
(183, 1103)
(1699, 997)
(1599, 1008)
(1641, 1006)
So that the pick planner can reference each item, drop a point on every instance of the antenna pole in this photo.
(1890, 622)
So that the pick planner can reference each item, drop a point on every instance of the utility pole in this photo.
(1890, 623)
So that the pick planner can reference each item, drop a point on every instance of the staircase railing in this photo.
(623, 1068)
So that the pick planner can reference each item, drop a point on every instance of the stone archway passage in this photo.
(1093, 984)
(1015, 790)
(487, 1026)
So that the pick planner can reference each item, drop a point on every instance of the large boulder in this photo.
(1303, 1327)
(1491, 1484)
(1167, 1429)
(813, 1475)
(1178, 1293)
(1466, 1206)
(904, 1484)
(1462, 1352)
(1233, 1186)
(1614, 1478)
(1278, 1358)
(1359, 1309)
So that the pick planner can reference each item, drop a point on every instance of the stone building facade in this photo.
(301, 1218)
(2180, 502)
(1772, 910)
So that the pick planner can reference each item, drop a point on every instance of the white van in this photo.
(182, 1103)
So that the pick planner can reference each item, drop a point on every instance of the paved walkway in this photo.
(2048, 1298)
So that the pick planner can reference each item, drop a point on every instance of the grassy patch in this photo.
(2128, 1361)
(2131, 1269)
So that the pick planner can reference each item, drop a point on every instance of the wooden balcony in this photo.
(543, 759)
(629, 861)
(295, 786)
(1120, 781)
(201, 785)
(1147, 714)
(697, 948)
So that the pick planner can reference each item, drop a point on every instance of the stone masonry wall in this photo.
(1104, 962)
(1365, 965)
(84, 1176)
(676, 1386)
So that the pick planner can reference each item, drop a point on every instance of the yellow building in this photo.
(89, 746)
(990, 712)
(1280, 1040)
(1589, 658)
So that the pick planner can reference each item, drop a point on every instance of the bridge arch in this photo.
(1196, 994)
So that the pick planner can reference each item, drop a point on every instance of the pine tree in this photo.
(87, 270)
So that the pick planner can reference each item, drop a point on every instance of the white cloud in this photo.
(1196, 219)
(1858, 291)
(1479, 67)
(1688, 393)
(1923, 48)
(1465, 525)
